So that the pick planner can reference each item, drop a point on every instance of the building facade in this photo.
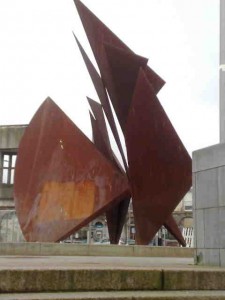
(9, 140)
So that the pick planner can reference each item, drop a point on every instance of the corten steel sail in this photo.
(99, 37)
(159, 165)
(98, 34)
(155, 191)
(121, 64)
(61, 181)
(116, 215)
(101, 140)
(103, 97)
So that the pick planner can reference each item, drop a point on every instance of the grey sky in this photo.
(39, 58)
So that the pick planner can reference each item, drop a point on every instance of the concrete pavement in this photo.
(93, 262)
(134, 295)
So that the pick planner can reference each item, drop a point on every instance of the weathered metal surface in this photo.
(172, 227)
(116, 215)
(116, 218)
(119, 67)
(99, 130)
(100, 89)
(98, 34)
(62, 181)
(159, 165)
(121, 78)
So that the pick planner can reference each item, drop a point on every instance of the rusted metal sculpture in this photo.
(159, 165)
(170, 224)
(155, 191)
(63, 181)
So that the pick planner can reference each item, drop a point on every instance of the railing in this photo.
(9, 227)
(188, 234)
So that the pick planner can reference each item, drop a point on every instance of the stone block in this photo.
(200, 256)
(19, 248)
(194, 280)
(222, 257)
(208, 158)
(145, 251)
(211, 221)
(79, 280)
(206, 189)
(73, 249)
(6, 249)
(110, 250)
(193, 192)
(32, 248)
(212, 257)
(199, 228)
(12, 248)
(221, 186)
(209, 257)
(67, 249)
(50, 249)
(221, 222)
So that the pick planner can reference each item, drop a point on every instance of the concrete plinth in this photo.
(209, 205)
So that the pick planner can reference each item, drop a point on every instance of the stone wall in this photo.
(209, 205)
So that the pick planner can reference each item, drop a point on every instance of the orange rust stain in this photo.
(66, 201)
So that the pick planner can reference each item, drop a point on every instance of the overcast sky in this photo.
(39, 58)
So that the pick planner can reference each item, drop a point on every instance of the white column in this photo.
(222, 71)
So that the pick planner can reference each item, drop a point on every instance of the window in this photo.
(8, 168)
(188, 204)
(188, 208)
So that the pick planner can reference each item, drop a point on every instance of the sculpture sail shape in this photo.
(159, 167)
(103, 97)
(121, 79)
(98, 34)
(116, 215)
(101, 140)
(61, 182)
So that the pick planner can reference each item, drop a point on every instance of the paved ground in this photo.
(87, 262)
(168, 295)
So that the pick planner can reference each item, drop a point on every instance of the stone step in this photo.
(67, 280)
(57, 249)
(125, 295)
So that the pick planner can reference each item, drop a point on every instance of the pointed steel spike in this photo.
(116, 215)
(100, 135)
(98, 33)
(100, 89)
(116, 218)
(123, 72)
(100, 120)
(173, 228)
